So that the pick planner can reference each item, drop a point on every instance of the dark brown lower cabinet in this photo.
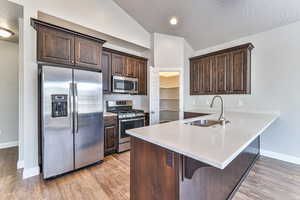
(157, 173)
(188, 115)
(110, 135)
(147, 119)
(154, 172)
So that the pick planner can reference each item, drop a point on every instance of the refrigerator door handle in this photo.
(76, 108)
(71, 104)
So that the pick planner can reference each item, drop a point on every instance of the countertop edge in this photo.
(213, 163)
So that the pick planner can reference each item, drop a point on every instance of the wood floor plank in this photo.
(268, 180)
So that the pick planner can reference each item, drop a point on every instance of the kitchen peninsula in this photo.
(179, 160)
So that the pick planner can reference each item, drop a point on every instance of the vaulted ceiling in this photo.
(205, 23)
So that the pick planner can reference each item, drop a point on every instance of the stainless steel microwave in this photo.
(123, 84)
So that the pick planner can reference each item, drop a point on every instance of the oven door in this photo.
(125, 84)
(125, 124)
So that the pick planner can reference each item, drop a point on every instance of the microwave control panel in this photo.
(59, 105)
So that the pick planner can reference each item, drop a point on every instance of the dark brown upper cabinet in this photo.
(194, 77)
(106, 71)
(59, 45)
(206, 75)
(118, 65)
(142, 67)
(55, 46)
(87, 53)
(240, 71)
(130, 67)
(223, 72)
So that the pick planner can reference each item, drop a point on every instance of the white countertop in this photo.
(216, 146)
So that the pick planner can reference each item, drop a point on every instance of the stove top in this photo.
(123, 109)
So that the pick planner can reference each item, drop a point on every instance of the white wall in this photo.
(101, 15)
(21, 96)
(275, 86)
(188, 52)
(168, 51)
(171, 53)
(9, 87)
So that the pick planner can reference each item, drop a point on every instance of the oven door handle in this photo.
(129, 120)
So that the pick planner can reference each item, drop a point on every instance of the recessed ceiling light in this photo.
(5, 33)
(173, 21)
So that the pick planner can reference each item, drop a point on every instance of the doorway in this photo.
(169, 96)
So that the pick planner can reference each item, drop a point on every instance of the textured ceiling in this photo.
(205, 23)
(9, 15)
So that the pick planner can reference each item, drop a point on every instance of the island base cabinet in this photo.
(159, 174)
(203, 182)
(153, 172)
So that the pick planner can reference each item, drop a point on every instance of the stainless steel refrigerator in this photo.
(71, 112)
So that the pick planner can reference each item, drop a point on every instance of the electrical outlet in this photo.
(240, 103)
(207, 102)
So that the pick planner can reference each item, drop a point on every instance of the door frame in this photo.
(181, 87)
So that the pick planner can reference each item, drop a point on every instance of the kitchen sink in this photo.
(205, 123)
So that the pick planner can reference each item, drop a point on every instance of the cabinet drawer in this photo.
(110, 120)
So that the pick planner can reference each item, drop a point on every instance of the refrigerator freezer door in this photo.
(57, 121)
(88, 123)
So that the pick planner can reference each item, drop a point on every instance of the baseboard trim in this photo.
(30, 172)
(280, 156)
(20, 164)
(9, 144)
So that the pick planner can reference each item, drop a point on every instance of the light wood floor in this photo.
(269, 180)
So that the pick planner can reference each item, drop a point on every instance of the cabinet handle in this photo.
(170, 158)
(182, 168)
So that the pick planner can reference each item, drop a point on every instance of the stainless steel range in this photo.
(128, 118)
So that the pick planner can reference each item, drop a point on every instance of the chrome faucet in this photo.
(222, 115)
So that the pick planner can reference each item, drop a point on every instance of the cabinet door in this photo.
(130, 66)
(154, 172)
(194, 77)
(136, 69)
(110, 138)
(206, 75)
(106, 71)
(87, 53)
(118, 65)
(239, 72)
(55, 46)
(142, 65)
(222, 75)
